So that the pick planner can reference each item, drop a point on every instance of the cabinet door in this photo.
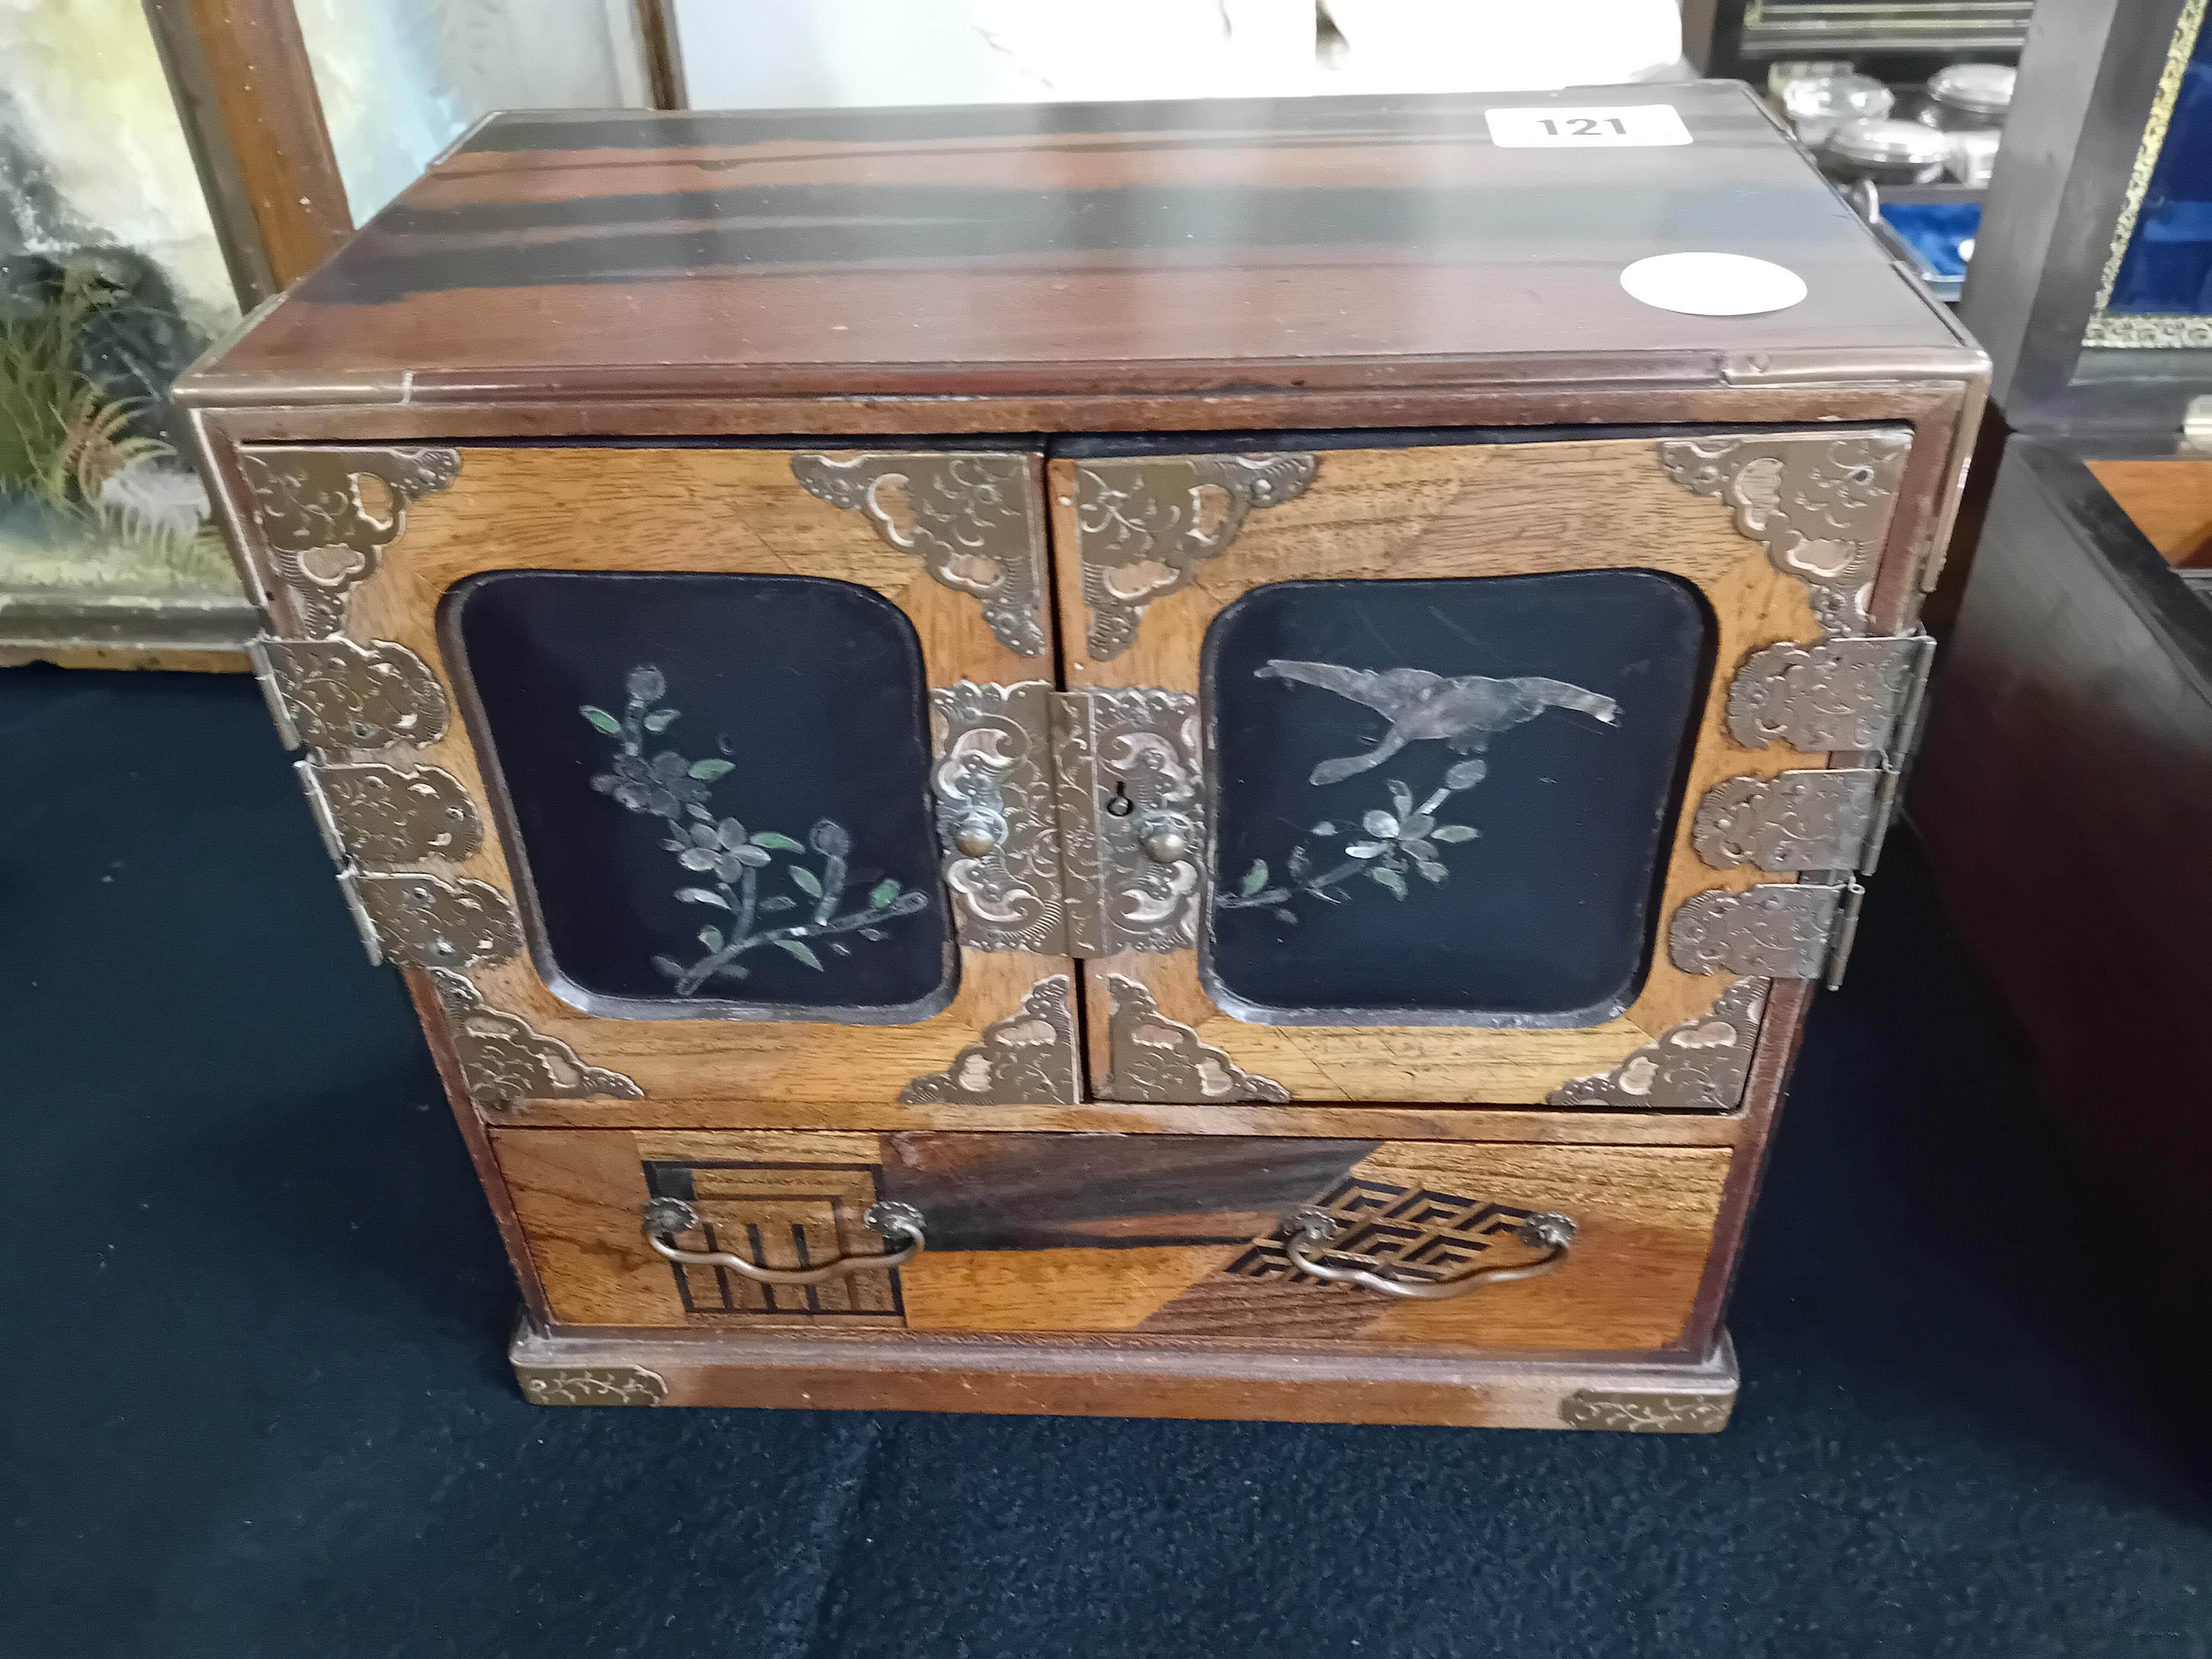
(1433, 771)
(638, 752)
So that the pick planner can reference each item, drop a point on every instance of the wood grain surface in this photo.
(1455, 510)
(1438, 1121)
(1100, 1233)
(1039, 248)
(1139, 1376)
(1400, 513)
(1406, 513)
(2169, 501)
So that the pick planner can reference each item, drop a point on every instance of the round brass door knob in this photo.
(977, 838)
(1166, 845)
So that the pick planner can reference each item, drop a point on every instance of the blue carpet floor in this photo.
(256, 1403)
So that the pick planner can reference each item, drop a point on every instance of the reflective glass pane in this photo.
(719, 789)
(400, 80)
(1449, 800)
(2167, 268)
(112, 280)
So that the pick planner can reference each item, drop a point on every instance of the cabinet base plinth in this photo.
(1125, 1377)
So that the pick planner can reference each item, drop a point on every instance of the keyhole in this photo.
(1121, 806)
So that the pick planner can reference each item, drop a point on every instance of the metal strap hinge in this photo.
(1895, 759)
(1796, 821)
(1855, 695)
(334, 694)
(418, 921)
(379, 817)
(1862, 694)
(1844, 935)
(1799, 930)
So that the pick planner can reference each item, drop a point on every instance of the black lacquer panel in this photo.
(1449, 800)
(720, 786)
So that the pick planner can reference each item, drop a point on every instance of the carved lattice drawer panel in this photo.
(788, 1216)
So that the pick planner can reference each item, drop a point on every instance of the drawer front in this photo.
(1170, 1235)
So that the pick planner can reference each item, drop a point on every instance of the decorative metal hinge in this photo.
(972, 519)
(1027, 1059)
(995, 815)
(1153, 1059)
(1774, 931)
(590, 1385)
(1860, 694)
(322, 533)
(1134, 819)
(503, 1061)
(1819, 502)
(381, 816)
(1145, 524)
(422, 921)
(1639, 1412)
(1793, 821)
(334, 694)
(1848, 694)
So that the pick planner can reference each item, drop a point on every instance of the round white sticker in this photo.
(1712, 284)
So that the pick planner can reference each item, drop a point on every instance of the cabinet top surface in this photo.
(1070, 248)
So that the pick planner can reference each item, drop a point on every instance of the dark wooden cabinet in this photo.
(2071, 760)
(1155, 759)
(2065, 792)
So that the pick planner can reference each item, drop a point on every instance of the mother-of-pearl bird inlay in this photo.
(1464, 711)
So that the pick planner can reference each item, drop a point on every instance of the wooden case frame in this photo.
(1690, 1387)
(1374, 268)
(2073, 706)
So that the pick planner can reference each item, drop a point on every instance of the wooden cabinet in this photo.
(1331, 864)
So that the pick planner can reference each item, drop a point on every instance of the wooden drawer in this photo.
(1168, 1236)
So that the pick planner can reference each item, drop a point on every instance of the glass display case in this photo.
(112, 280)
(154, 153)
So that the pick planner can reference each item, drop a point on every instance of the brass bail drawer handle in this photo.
(665, 1217)
(1311, 1226)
